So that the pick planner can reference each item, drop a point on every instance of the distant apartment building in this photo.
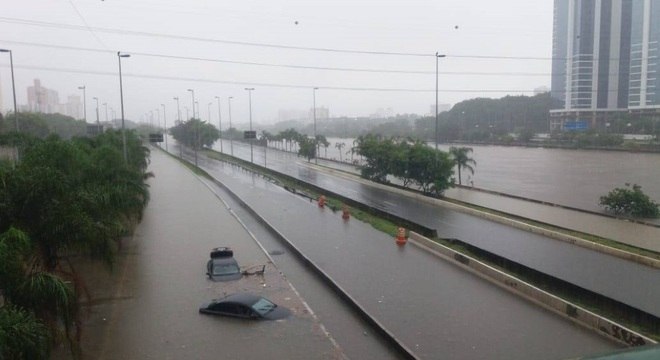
(605, 60)
(322, 113)
(286, 115)
(47, 101)
(41, 99)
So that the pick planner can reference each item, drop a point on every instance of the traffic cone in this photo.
(345, 214)
(401, 237)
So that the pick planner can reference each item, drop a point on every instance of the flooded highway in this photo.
(434, 307)
(569, 177)
(613, 277)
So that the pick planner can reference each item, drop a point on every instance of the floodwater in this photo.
(575, 178)
(434, 307)
(154, 312)
(622, 280)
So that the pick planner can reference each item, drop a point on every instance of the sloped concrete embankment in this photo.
(605, 327)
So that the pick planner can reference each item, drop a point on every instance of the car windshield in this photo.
(225, 269)
(263, 306)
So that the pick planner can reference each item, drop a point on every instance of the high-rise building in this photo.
(604, 59)
(41, 99)
(644, 91)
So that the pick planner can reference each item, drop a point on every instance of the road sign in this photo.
(250, 134)
(576, 125)
(155, 137)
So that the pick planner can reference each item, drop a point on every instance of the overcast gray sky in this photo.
(242, 31)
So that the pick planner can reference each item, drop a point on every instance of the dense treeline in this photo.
(195, 133)
(41, 125)
(413, 162)
(60, 200)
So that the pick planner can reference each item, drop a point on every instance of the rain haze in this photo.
(364, 57)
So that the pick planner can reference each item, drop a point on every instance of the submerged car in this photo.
(247, 306)
(222, 266)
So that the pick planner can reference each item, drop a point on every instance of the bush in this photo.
(633, 202)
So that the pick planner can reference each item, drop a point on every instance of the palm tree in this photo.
(340, 145)
(461, 159)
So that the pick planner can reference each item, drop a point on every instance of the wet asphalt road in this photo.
(435, 308)
(622, 280)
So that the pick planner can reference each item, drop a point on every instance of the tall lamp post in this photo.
(165, 123)
(231, 139)
(178, 109)
(219, 122)
(158, 118)
(437, 56)
(105, 105)
(193, 101)
(209, 111)
(249, 90)
(316, 144)
(98, 124)
(121, 98)
(13, 85)
(84, 89)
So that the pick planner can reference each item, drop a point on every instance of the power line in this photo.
(278, 46)
(244, 83)
(179, 57)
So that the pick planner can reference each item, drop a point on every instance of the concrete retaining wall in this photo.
(562, 307)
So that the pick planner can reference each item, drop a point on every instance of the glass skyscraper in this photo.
(605, 59)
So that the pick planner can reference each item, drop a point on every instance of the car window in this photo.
(263, 306)
(225, 269)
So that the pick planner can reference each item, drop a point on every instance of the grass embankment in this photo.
(569, 293)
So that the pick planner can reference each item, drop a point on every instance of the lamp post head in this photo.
(81, 87)
(231, 97)
(175, 98)
(249, 89)
(191, 90)
(5, 50)
(123, 55)
(440, 55)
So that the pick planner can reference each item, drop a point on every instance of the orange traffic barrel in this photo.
(401, 237)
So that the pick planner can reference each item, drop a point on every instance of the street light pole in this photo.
(98, 125)
(121, 98)
(316, 144)
(13, 85)
(178, 109)
(249, 90)
(437, 56)
(84, 89)
(219, 123)
(106, 111)
(231, 139)
(209, 111)
(193, 101)
(165, 121)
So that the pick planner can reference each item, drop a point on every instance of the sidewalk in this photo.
(638, 235)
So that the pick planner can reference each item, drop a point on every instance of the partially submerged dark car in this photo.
(245, 305)
(222, 266)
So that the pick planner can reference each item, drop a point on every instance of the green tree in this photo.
(195, 133)
(340, 146)
(630, 201)
(307, 148)
(462, 160)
